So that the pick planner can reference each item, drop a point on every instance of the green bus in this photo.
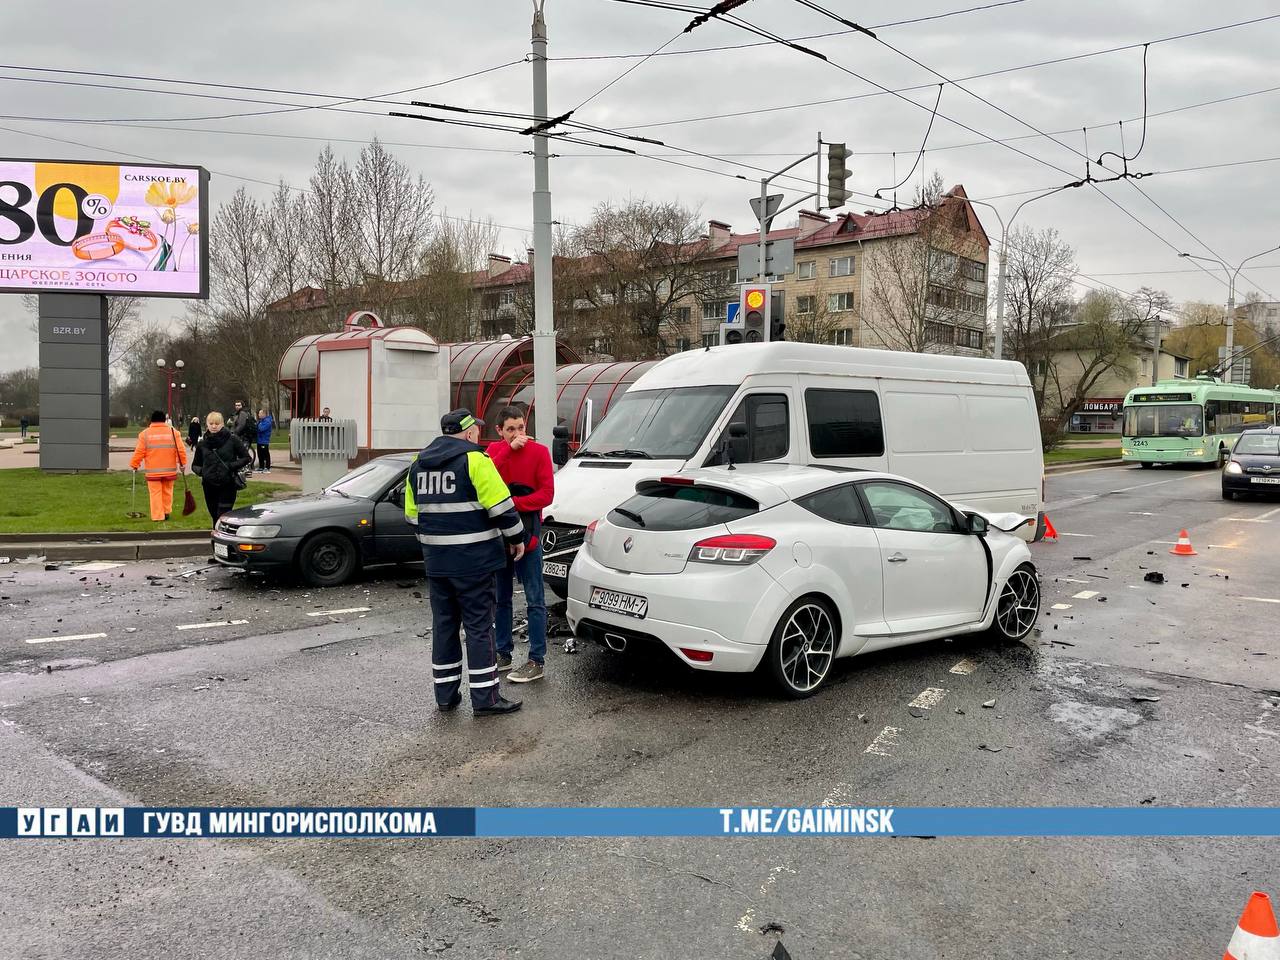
(1191, 421)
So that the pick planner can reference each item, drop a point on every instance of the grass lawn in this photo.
(35, 502)
(1082, 453)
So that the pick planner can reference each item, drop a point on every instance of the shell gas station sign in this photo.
(103, 228)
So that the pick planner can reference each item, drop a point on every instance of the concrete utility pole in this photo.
(1231, 300)
(544, 325)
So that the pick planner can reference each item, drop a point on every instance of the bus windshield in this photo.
(1164, 420)
(658, 424)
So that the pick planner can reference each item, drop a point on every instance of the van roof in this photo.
(732, 364)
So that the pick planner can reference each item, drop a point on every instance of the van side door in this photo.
(767, 417)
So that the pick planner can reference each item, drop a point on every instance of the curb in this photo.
(11, 539)
(1075, 465)
(119, 550)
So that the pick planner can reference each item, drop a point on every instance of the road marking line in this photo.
(1140, 513)
(887, 738)
(1263, 517)
(1224, 546)
(1154, 483)
(327, 613)
(964, 667)
(928, 698)
(211, 623)
(1061, 606)
(70, 636)
(96, 566)
(1245, 520)
(1085, 595)
(1254, 599)
(1061, 534)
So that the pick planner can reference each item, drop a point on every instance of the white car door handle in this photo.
(897, 558)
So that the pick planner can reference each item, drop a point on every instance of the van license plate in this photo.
(220, 550)
(1264, 479)
(551, 569)
(624, 603)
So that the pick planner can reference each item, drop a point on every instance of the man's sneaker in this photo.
(504, 662)
(532, 670)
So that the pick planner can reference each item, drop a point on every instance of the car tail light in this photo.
(697, 656)
(736, 549)
(590, 533)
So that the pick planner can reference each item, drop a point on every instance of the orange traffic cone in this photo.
(1049, 532)
(1183, 547)
(1256, 936)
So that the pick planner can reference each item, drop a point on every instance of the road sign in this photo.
(779, 258)
(731, 312)
(775, 201)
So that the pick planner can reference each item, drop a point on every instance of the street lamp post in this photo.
(170, 381)
(1231, 300)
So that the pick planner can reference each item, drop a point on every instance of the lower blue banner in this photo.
(401, 822)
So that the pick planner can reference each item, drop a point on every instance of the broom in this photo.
(188, 501)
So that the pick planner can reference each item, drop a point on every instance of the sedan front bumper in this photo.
(262, 555)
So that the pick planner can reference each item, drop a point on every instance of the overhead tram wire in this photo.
(338, 100)
(977, 76)
(1128, 213)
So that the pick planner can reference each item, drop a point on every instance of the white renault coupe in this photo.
(794, 566)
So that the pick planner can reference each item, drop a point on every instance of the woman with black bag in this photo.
(220, 456)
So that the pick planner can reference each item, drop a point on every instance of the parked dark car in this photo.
(1254, 464)
(326, 537)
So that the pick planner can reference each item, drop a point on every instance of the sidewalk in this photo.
(121, 449)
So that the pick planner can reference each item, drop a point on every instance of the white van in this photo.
(963, 426)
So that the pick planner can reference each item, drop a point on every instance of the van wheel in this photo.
(803, 647)
(1018, 607)
(1145, 465)
(327, 559)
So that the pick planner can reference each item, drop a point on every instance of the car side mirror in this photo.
(560, 445)
(977, 524)
(738, 447)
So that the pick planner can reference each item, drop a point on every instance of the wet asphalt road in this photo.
(335, 709)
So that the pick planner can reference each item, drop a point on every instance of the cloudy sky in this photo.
(746, 107)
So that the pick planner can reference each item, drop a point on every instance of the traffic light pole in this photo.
(544, 327)
(765, 217)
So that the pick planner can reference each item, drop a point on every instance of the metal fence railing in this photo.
(334, 439)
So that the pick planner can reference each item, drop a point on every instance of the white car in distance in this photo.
(794, 566)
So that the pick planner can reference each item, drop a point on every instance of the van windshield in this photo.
(658, 424)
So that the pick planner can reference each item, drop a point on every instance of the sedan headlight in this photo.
(261, 531)
(1233, 467)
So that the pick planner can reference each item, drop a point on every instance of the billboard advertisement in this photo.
(108, 228)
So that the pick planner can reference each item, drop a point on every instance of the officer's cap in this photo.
(456, 421)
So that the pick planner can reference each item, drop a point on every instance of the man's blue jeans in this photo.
(529, 569)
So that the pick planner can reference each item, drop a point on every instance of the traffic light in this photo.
(754, 305)
(837, 174)
(777, 318)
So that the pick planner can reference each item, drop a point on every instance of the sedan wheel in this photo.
(327, 560)
(1019, 604)
(803, 647)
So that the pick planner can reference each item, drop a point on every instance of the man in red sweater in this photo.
(525, 467)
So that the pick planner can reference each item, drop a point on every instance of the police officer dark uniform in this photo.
(467, 525)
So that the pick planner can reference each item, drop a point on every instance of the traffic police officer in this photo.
(467, 525)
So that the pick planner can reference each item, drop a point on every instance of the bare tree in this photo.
(914, 283)
(818, 325)
(1038, 301)
(445, 301)
(641, 260)
(123, 314)
(330, 232)
(285, 223)
(393, 225)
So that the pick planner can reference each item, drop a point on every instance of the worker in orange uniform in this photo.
(162, 452)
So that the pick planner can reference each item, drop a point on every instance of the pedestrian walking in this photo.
(467, 526)
(244, 427)
(23, 423)
(525, 467)
(266, 423)
(160, 453)
(193, 432)
(219, 457)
